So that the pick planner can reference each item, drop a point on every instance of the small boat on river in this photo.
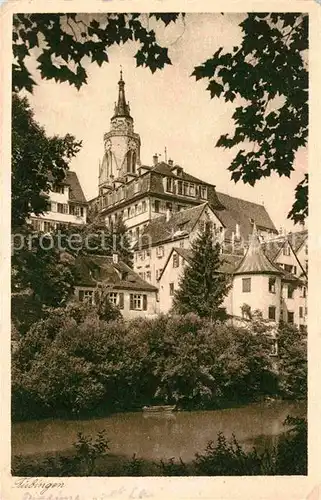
(159, 408)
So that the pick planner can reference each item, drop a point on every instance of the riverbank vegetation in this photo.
(93, 457)
(75, 363)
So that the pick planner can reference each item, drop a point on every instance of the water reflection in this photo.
(156, 436)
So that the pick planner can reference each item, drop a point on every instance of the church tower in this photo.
(121, 145)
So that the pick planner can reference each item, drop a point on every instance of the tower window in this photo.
(272, 312)
(134, 163)
(246, 285)
(272, 285)
(129, 161)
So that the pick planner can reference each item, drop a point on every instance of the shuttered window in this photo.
(138, 302)
(121, 301)
(145, 302)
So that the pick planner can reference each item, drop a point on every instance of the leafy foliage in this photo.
(74, 362)
(95, 238)
(268, 71)
(66, 41)
(202, 288)
(37, 161)
(292, 348)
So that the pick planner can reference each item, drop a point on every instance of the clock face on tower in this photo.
(108, 144)
(132, 145)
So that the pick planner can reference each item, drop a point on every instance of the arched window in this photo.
(129, 161)
(110, 163)
(134, 163)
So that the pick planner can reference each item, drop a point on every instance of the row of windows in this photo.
(43, 225)
(145, 275)
(58, 189)
(137, 301)
(246, 287)
(64, 208)
(290, 314)
(142, 255)
(185, 188)
(160, 207)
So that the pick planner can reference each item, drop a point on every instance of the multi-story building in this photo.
(163, 208)
(67, 205)
(257, 283)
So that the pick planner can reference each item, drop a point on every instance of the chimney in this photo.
(170, 162)
(155, 159)
(115, 258)
(168, 214)
(237, 231)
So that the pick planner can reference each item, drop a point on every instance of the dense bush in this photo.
(223, 458)
(292, 362)
(74, 362)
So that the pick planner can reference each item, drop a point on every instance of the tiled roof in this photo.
(273, 247)
(159, 230)
(229, 263)
(297, 239)
(255, 261)
(94, 269)
(238, 211)
(76, 192)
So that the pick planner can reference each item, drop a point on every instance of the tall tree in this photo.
(95, 238)
(202, 288)
(37, 161)
(269, 71)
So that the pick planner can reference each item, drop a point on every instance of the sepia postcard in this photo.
(160, 250)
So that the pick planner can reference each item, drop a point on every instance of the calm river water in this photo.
(154, 437)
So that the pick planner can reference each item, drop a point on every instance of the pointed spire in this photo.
(121, 108)
(255, 261)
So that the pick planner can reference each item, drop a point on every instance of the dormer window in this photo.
(58, 189)
(203, 192)
(286, 250)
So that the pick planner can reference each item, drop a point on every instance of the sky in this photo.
(170, 109)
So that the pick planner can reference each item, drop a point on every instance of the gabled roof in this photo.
(228, 262)
(255, 261)
(76, 192)
(93, 270)
(178, 226)
(244, 213)
(297, 239)
(71, 180)
(272, 248)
